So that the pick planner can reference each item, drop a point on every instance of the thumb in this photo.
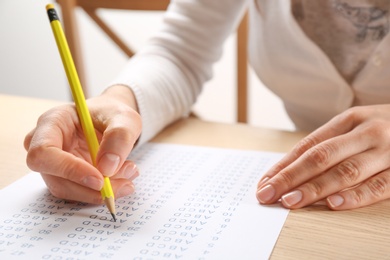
(117, 142)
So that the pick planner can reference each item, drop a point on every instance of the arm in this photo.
(167, 75)
(161, 83)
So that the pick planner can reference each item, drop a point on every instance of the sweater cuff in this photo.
(148, 131)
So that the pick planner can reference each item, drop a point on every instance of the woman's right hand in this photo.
(57, 148)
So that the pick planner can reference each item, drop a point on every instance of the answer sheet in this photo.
(190, 203)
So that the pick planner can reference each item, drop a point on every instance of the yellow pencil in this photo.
(81, 104)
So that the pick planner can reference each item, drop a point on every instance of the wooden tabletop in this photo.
(310, 233)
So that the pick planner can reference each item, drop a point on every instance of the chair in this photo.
(90, 7)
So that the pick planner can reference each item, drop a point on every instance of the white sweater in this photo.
(168, 74)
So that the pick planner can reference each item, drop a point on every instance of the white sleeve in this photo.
(167, 75)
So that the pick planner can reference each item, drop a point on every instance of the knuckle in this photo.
(123, 127)
(97, 200)
(56, 190)
(314, 187)
(347, 172)
(378, 186)
(121, 134)
(34, 158)
(66, 172)
(358, 196)
(57, 115)
(304, 145)
(118, 131)
(285, 178)
(278, 167)
(377, 130)
(69, 171)
(352, 114)
(27, 140)
(376, 189)
(320, 155)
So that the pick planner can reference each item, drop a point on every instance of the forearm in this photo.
(167, 75)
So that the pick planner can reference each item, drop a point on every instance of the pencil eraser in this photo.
(49, 6)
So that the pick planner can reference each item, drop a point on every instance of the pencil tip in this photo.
(113, 216)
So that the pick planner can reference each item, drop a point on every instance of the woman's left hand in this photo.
(346, 162)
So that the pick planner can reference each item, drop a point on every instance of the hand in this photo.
(346, 161)
(58, 150)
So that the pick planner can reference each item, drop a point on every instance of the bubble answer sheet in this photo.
(190, 203)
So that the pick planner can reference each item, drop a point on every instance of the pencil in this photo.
(81, 104)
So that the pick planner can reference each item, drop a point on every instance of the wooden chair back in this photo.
(90, 7)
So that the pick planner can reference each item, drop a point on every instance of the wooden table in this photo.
(310, 233)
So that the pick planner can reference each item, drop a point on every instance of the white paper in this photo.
(190, 203)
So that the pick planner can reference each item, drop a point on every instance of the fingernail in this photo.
(292, 198)
(93, 183)
(266, 194)
(125, 190)
(335, 200)
(131, 172)
(108, 164)
(262, 182)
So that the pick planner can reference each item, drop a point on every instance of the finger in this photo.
(65, 189)
(301, 147)
(55, 162)
(119, 135)
(346, 174)
(375, 189)
(27, 139)
(122, 187)
(313, 162)
(339, 125)
(129, 170)
(68, 190)
(45, 154)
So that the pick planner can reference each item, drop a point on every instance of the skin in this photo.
(57, 149)
(345, 162)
